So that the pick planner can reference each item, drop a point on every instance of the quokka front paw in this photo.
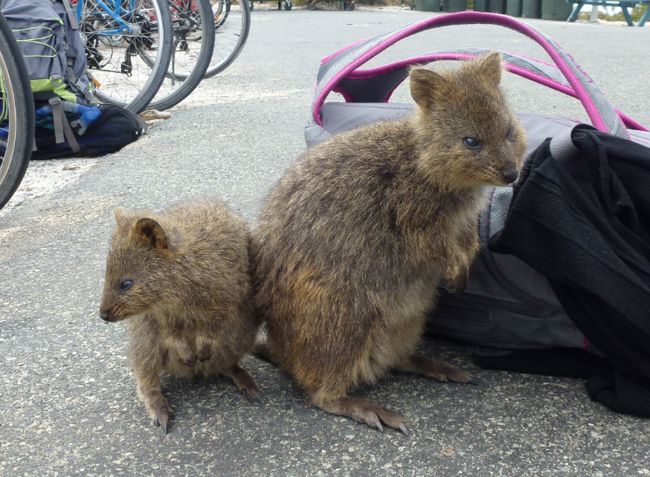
(458, 283)
(456, 278)
(204, 352)
(185, 353)
(189, 360)
(159, 410)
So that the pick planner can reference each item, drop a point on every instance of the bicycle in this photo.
(16, 115)
(194, 37)
(121, 37)
(230, 36)
(232, 25)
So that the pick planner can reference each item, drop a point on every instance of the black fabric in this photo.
(116, 128)
(584, 223)
(568, 362)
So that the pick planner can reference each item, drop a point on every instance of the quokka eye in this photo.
(126, 284)
(472, 143)
(509, 133)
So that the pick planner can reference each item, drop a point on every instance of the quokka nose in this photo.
(105, 315)
(510, 174)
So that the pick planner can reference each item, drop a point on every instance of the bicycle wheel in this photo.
(191, 53)
(118, 37)
(232, 22)
(16, 115)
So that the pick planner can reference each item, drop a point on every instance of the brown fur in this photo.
(355, 237)
(190, 306)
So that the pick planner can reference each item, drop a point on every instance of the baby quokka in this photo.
(182, 280)
(355, 238)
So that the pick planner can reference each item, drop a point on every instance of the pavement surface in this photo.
(67, 398)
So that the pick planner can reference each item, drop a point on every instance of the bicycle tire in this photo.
(187, 82)
(16, 97)
(224, 53)
(155, 75)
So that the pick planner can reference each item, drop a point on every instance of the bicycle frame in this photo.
(114, 9)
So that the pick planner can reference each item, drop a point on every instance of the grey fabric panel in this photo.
(539, 128)
(76, 61)
(32, 10)
(59, 51)
(498, 211)
(42, 59)
(314, 133)
(36, 19)
(340, 117)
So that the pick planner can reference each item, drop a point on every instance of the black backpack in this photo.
(114, 128)
(580, 216)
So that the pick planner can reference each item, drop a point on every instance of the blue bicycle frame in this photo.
(116, 9)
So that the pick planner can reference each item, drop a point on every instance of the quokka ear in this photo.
(150, 233)
(427, 86)
(491, 68)
(120, 218)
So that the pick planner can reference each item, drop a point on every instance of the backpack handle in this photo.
(378, 84)
(337, 66)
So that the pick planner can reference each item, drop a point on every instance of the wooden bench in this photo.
(623, 4)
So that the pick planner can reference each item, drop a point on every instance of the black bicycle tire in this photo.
(224, 18)
(17, 82)
(191, 81)
(232, 56)
(157, 76)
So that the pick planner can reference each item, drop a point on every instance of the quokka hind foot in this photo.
(244, 381)
(363, 411)
(434, 369)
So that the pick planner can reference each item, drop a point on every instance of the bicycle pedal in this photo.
(126, 68)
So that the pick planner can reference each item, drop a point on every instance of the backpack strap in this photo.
(562, 147)
(62, 129)
(72, 16)
(80, 86)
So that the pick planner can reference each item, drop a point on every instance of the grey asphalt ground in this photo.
(67, 398)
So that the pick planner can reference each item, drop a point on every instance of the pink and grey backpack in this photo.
(508, 303)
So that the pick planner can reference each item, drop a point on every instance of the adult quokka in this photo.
(356, 236)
